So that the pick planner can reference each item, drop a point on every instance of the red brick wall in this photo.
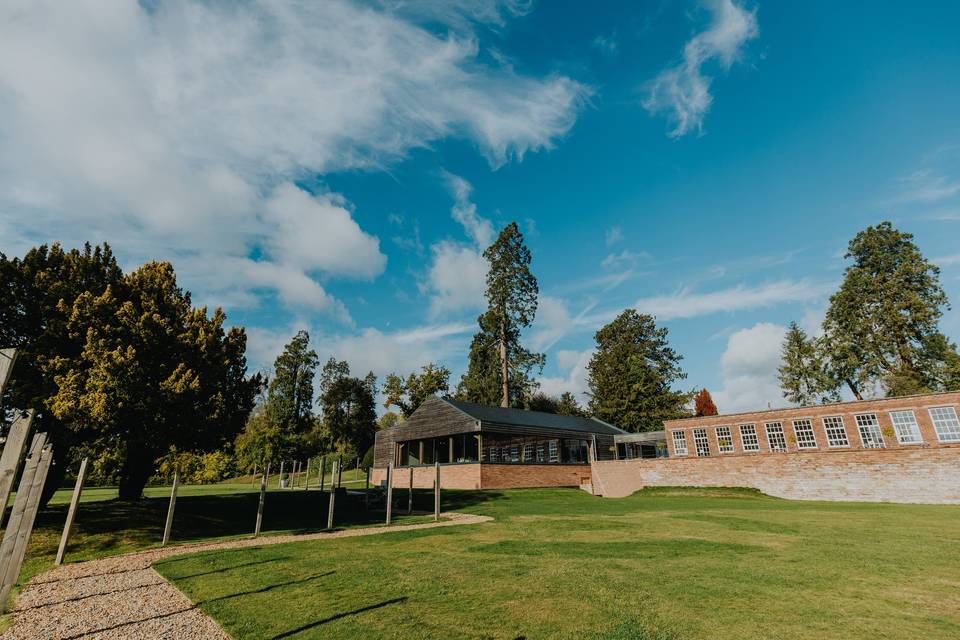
(921, 475)
(488, 476)
(514, 476)
(847, 410)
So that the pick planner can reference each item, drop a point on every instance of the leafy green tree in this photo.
(37, 294)
(802, 376)
(154, 372)
(881, 326)
(540, 401)
(631, 375)
(567, 405)
(408, 394)
(389, 420)
(512, 293)
(289, 405)
(349, 408)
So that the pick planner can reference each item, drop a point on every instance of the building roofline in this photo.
(811, 406)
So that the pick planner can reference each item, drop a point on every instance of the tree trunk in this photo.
(137, 469)
(504, 368)
(854, 389)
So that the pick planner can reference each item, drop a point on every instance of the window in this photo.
(946, 424)
(528, 452)
(775, 436)
(836, 433)
(906, 427)
(701, 442)
(748, 435)
(869, 429)
(724, 440)
(554, 451)
(679, 443)
(806, 439)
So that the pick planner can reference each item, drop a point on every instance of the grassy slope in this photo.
(560, 563)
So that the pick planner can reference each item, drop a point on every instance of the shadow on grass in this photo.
(269, 587)
(312, 625)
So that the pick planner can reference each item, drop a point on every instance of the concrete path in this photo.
(123, 597)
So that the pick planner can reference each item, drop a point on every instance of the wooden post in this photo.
(323, 471)
(333, 494)
(306, 479)
(253, 477)
(366, 491)
(173, 504)
(20, 503)
(7, 358)
(389, 491)
(12, 569)
(410, 494)
(13, 450)
(72, 512)
(436, 493)
(263, 493)
(280, 478)
(356, 472)
(339, 472)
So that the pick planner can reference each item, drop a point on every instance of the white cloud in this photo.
(457, 277)
(683, 91)
(687, 304)
(749, 365)
(177, 130)
(926, 186)
(947, 261)
(574, 364)
(613, 236)
(625, 258)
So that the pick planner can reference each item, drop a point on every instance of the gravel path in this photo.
(123, 597)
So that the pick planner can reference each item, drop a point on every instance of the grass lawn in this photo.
(558, 563)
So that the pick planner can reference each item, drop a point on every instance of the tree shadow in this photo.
(345, 614)
(269, 587)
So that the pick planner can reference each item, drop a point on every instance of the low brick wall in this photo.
(488, 476)
(879, 475)
(518, 476)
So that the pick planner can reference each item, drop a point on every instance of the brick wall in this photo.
(488, 476)
(919, 405)
(919, 475)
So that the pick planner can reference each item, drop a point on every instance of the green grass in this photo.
(663, 564)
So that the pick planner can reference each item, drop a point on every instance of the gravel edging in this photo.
(123, 597)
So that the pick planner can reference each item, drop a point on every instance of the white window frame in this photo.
(701, 438)
(864, 424)
(896, 427)
(801, 444)
(729, 448)
(843, 428)
(679, 443)
(954, 430)
(743, 441)
(783, 436)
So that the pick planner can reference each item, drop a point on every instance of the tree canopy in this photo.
(408, 394)
(703, 404)
(632, 373)
(349, 407)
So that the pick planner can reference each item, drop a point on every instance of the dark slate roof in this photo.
(536, 419)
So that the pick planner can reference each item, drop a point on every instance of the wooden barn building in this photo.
(483, 447)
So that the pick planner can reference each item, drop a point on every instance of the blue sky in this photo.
(338, 166)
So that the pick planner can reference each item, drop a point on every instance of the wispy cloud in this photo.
(683, 91)
(613, 236)
(690, 304)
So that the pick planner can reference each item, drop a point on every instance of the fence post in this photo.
(306, 478)
(333, 494)
(436, 493)
(410, 494)
(280, 477)
(7, 359)
(389, 491)
(323, 471)
(173, 504)
(263, 492)
(72, 512)
(13, 450)
(22, 536)
(366, 491)
(253, 478)
(356, 471)
(339, 472)
(20, 503)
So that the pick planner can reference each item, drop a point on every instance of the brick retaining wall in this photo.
(928, 475)
(489, 476)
